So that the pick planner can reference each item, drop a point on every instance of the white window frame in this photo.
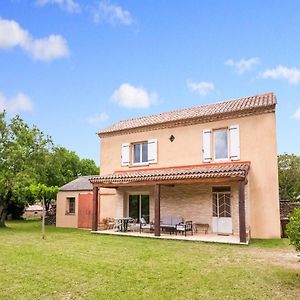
(214, 145)
(140, 163)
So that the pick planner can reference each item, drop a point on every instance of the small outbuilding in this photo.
(74, 204)
(33, 211)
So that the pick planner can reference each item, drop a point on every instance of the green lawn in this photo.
(74, 264)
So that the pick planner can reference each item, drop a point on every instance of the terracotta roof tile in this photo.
(176, 173)
(246, 104)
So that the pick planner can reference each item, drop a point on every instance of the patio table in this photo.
(168, 228)
(123, 223)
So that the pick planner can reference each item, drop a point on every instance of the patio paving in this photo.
(210, 237)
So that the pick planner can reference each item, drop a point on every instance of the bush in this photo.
(293, 228)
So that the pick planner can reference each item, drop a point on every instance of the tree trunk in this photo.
(47, 205)
(43, 221)
(3, 214)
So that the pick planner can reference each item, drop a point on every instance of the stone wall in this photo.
(192, 202)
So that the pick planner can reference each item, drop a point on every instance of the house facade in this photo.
(214, 164)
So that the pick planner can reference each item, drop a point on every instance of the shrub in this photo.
(293, 228)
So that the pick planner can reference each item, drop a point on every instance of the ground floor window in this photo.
(139, 207)
(71, 205)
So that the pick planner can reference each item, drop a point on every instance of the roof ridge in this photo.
(228, 105)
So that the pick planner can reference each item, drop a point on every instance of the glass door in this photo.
(145, 207)
(222, 220)
(134, 203)
(138, 207)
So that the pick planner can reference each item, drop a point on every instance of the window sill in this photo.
(139, 165)
(222, 159)
(69, 214)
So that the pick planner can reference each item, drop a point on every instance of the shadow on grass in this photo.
(270, 243)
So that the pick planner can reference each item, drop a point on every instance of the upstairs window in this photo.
(140, 153)
(221, 144)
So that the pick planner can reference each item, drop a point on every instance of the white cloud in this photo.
(20, 102)
(292, 75)
(296, 115)
(70, 6)
(202, 88)
(102, 117)
(243, 65)
(11, 34)
(133, 97)
(111, 13)
(46, 49)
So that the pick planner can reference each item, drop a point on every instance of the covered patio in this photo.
(210, 237)
(160, 179)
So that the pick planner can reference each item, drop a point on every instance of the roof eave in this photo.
(196, 120)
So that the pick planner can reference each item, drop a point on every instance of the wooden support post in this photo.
(95, 208)
(157, 210)
(242, 212)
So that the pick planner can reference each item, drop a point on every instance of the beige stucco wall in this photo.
(62, 218)
(258, 145)
(109, 205)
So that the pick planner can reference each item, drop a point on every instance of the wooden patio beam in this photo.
(157, 210)
(169, 182)
(242, 212)
(95, 219)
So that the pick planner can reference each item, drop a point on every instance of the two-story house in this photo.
(214, 164)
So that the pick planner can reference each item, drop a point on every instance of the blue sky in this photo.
(72, 67)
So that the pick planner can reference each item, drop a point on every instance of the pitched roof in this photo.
(241, 106)
(221, 170)
(34, 207)
(81, 183)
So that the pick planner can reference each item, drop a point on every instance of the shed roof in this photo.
(81, 183)
(34, 207)
(235, 107)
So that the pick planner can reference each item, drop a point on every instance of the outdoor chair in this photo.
(117, 225)
(144, 225)
(132, 225)
(185, 227)
(110, 223)
(103, 225)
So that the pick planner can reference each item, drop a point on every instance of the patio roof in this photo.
(194, 173)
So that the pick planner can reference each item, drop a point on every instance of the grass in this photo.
(74, 264)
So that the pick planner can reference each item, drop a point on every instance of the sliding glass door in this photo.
(139, 207)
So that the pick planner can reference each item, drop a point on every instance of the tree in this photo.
(293, 228)
(289, 177)
(28, 157)
(41, 191)
(63, 166)
(88, 167)
(46, 194)
(23, 151)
